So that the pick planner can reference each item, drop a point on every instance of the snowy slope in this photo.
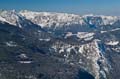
(47, 19)
(11, 17)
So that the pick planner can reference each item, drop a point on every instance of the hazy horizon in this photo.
(102, 7)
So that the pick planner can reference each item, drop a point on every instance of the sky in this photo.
(101, 7)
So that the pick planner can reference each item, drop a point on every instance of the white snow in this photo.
(103, 74)
(112, 43)
(2, 19)
(11, 17)
(89, 38)
(109, 19)
(25, 62)
(116, 49)
(81, 49)
(85, 35)
(11, 44)
(116, 29)
(47, 39)
(68, 49)
(68, 34)
(81, 35)
(23, 55)
(103, 31)
(61, 50)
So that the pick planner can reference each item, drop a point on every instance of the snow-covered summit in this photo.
(11, 17)
(47, 19)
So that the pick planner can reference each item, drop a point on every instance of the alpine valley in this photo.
(50, 45)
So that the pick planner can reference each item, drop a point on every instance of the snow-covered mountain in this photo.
(48, 19)
(60, 22)
(68, 41)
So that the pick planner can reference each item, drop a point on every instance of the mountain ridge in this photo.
(54, 17)
(76, 44)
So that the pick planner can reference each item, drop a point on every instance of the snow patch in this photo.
(116, 29)
(85, 35)
(11, 44)
(25, 62)
(68, 34)
(81, 49)
(112, 43)
(2, 19)
(48, 39)
(23, 55)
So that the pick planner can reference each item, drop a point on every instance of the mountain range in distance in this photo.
(49, 45)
